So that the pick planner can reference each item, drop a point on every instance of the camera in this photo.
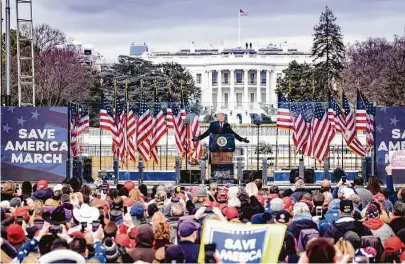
(209, 253)
(19, 220)
(84, 226)
(55, 229)
(95, 225)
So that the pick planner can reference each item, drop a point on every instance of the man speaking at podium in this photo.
(220, 127)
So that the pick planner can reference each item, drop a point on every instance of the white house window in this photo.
(198, 78)
(252, 78)
(239, 99)
(239, 77)
(252, 97)
(226, 78)
(214, 77)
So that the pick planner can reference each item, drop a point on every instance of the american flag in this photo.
(159, 128)
(74, 128)
(370, 125)
(131, 134)
(243, 13)
(116, 128)
(169, 115)
(122, 131)
(144, 131)
(351, 133)
(302, 116)
(321, 133)
(84, 120)
(196, 147)
(361, 113)
(284, 118)
(336, 117)
(106, 115)
(178, 124)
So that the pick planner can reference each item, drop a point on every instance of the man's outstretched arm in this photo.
(239, 138)
(205, 134)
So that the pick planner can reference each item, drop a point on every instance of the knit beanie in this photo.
(111, 250)
(372, 211)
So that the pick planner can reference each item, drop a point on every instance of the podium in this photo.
(221, 148)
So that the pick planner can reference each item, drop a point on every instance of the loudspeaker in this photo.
(190, 176)
(251, 175)
(309, 175)
(87, 169)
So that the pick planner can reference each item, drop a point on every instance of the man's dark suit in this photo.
(215, 128)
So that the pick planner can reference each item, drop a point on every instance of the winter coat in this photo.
(364, 194)
(298, 193)
(344, 224)
(191, 251)
(301, 222)
(143, 250)
(379, 229)
(397, 223)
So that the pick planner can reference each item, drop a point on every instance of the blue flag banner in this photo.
(34, 143)
(241, 243)
(390, 137)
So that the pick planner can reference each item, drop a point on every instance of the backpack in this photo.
(374, 242)
(305, 236)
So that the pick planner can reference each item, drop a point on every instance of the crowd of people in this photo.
(352, 222)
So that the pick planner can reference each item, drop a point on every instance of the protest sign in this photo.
(241, 243)
(34, 143)
(397, 160)
(390, 137)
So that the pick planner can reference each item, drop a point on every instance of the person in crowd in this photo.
(143, 250)
(187, 232)
(213, 191)
(174, 254)
(398, 218)
(251, 189)
(135, 195)
(346, 222)
(344, 247)
(276, 206)
(200, 197)
(152, 209)
(325, 186)
(26, 190)
(319, 250)
(373, 185)
(365, 195)
(162, 230)
(259, 184)
(392, 250)
(302, 219)
(138, 214)
(300, 190)
(376, 225)
(8, 191)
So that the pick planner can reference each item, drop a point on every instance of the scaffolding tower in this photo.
(25, 54)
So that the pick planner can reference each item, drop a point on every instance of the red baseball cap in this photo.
(287, 202)
(222, 195)
(77, 234)
(207, 203)
(22, 211)
(231, 213)
(129, 185)
(123, 240)
(260, 199)
(42, 184)
(15, 234)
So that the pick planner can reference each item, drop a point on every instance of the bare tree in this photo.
(45, 37)
(377, 67)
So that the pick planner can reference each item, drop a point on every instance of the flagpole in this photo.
(116, 157)
(167, 130)
(289, 130)
(101, 104)
(69, 143)
(153, 121)
(126, 114)
(239, 29)
(140, 156)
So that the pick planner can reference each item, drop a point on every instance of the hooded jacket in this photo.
(344, 224)
(379, 229)
(143, 250)
(397, 223)
(301, 221)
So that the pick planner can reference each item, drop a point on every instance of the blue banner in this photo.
(34, 143)
(241, 243)
(389, 136)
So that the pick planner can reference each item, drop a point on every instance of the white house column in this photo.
(258, 87)
(246, 90)
(273, 85)
(219, 82)
(232, 102)
(268, 87)
(210, 87)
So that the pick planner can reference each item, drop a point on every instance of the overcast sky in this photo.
(169, 25)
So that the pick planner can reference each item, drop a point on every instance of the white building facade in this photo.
(234, 81)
